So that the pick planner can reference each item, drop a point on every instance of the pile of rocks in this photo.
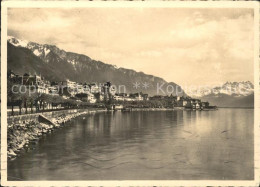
(19, 135)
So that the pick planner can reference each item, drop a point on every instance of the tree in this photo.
(14, 97)
(25, 100)
(44, 98)
(31, 100)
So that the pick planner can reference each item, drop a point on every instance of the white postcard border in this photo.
(127, 4)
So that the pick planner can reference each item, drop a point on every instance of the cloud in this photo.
(209, 45)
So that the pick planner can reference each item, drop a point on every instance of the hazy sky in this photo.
(186, 46)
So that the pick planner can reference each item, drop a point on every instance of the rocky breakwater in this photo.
(20, 135)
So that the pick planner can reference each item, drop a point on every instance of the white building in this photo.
(91, 98)
(80, 89)
(53, 90)
(94, 88)
(70, 85)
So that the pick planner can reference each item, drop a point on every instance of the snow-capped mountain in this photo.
(39, 50)
(56, 64)
(43, 51)
(17, 42)
(236, 89)
(230, 94)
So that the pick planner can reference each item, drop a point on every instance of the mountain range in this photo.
(230, 94)
(55, 64)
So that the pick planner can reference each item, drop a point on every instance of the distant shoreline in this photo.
(238, 107)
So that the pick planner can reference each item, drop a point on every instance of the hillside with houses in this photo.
(33, 93)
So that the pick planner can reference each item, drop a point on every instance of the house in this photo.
(91, 98)
(80, 89)
(35, 82)
(183, 102)
(118, 97)
(14, 78)
(121, 97)
(68, 83)
(69, 87)
(94, 88)
(101, 97)
(11, 74)
(53, 90)
(205, 104)
(156, 97)
(197, 106)
(136, 96)
(145, 97)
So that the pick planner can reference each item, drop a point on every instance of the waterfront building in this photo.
(198, 106)
(205, 104)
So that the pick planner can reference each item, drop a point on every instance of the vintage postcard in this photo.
(129, 93)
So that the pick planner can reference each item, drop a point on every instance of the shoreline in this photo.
(20, 135)
(238, 107)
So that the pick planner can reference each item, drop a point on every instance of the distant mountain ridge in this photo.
(243, 88)
(230, 94)
(56, 65)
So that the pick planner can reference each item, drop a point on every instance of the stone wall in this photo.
(34, 117)
(24, 129)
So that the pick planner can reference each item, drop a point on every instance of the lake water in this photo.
(155, 145)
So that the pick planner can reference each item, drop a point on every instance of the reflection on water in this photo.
(140, 145)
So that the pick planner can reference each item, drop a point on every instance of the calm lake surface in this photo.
(155, 145)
